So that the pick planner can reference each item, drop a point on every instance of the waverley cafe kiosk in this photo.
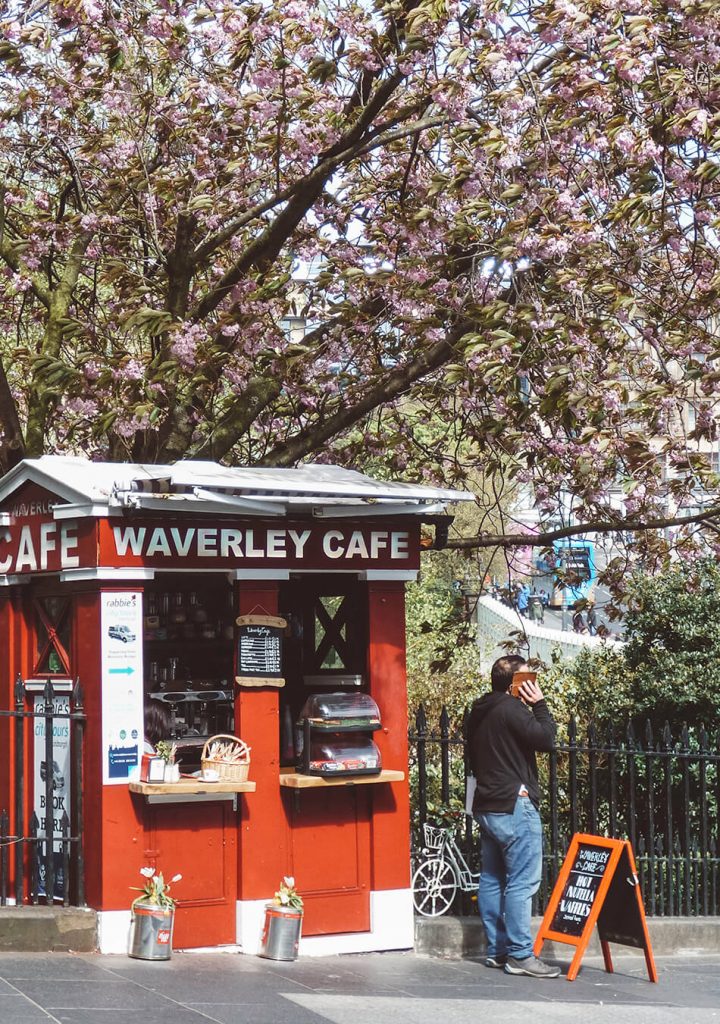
(259, 611)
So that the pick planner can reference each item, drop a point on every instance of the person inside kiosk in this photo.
(157, 726)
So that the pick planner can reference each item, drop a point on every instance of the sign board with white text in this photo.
(597, 885)
(259, 650)
(194, 543)
(35, 541)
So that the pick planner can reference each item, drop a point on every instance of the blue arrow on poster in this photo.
(122, 671)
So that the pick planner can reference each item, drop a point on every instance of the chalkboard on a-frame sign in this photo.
(597, 884)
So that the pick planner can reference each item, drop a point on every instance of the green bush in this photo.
(669, 668)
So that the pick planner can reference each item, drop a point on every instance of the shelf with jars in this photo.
(188, 652)
(187, 615)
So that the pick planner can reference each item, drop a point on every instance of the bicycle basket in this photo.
(434, 836)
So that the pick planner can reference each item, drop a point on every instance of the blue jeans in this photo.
(511, 848)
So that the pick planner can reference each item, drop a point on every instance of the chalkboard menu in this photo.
(580, 889)
(259, 650)
(597, 885)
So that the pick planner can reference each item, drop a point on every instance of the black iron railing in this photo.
(662, 792)
(47, 861)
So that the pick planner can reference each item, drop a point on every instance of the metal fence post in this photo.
(572, 774)
(49, 709)
(19, 783)
(630, 748)
(703, 799)
(445, 756)
(667, 746)
(4, 836)
(78, 735)
(421, 734)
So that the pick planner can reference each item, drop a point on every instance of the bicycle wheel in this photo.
(434, 886)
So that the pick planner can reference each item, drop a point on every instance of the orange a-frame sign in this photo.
(597, 884)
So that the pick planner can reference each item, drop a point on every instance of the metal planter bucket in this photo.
(281, 932)
(151, 931)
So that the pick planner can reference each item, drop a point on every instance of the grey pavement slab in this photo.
(373, 988)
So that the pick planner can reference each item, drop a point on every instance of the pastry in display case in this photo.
(332, 736)
(341, 754)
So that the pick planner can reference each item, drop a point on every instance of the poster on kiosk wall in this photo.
(122, 684)
(59, 770)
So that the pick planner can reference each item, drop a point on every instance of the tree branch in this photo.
(40, 402)
(13, 444)
(207, 247)
(7, 254)
(543, 540)
(180, 265)
(240, 417)
(388, 389)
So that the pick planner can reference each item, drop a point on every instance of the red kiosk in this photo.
(132, 578)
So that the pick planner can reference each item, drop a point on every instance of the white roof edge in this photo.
(31, 471)
(80, 481)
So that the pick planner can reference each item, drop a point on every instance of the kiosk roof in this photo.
(93, 487)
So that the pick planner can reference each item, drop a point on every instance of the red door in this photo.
(330, 855)
(198, 841)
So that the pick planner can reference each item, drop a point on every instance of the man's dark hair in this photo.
(503, 670)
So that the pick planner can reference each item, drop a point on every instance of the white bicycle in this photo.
(442, 871)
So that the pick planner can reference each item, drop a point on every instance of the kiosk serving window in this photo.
(188, 653)
(325, 647)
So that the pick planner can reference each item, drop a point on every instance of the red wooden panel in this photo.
(330, 855)
(198, 841)
(263, 855)
(388, 685)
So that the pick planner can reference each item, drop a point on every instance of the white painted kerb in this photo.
(113, 931)
(391, 927)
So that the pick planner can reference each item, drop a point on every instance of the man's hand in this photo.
(530, 692)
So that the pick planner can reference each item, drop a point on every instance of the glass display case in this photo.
(332, 737)
(341, 711)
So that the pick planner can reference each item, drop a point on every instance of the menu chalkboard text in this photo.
(259, 650)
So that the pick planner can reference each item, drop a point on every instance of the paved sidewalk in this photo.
(374, 988)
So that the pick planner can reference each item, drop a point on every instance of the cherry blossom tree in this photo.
(437, 236)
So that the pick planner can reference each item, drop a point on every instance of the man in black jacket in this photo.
(503, 734)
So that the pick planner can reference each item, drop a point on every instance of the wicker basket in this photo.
(228, 771)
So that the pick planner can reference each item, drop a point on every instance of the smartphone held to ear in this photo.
(518, 679)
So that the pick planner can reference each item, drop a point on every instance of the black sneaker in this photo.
(495, 961)
(531, 966)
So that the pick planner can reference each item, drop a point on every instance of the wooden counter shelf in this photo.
(189, 791)
(295, 780)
